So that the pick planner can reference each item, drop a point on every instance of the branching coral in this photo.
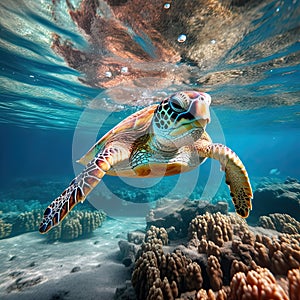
(161, 275)
(157, 233)
(5, 229)
(280, 222)
(27, 221)
(214, 227)
(294, 284)
(215, 273)
(257, 284)
(77, 224)
(223, 259)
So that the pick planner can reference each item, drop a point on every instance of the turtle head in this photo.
(181, 118)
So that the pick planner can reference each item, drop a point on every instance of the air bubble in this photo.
(181, 38)
(124, 70)
(108, 74)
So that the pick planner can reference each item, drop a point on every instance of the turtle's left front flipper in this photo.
(236, 174)
(81, 186)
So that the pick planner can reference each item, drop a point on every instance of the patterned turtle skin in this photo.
(160, 140)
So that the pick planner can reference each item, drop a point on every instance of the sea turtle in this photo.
(159, 140)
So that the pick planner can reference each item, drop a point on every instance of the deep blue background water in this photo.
(42, 101)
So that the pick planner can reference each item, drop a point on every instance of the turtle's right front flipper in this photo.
(80, 187)
(236, 175)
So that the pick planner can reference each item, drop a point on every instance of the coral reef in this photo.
(157, 233)
(294, 284)
(177, 223)
(280, 222)
(221, 259)
(212, 227)
(22, 198)
(158, 275)
(277, 198)
(256, 284)
(27, 221)
(5, 229)
(77, 224)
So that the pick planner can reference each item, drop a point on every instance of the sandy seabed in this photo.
(31, 268)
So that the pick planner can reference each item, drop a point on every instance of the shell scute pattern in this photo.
(164, 116)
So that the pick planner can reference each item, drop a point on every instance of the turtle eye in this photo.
(176, 105)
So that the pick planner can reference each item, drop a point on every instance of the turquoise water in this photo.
(48, 119)
(53, 110)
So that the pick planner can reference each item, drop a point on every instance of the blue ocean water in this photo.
(51, 113)
(42, 100)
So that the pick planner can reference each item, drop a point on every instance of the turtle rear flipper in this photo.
(236, 175)
(80, 187)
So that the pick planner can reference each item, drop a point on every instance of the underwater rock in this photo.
(24, 282)
(277, 198)
(128, 252)
(75, 269)
(136, 237)
(76, 224)
(179, 220)
(125, 292)
(280, 222)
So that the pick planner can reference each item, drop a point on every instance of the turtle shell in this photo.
(126, 131)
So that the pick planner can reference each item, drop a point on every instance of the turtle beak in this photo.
(200, 110)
